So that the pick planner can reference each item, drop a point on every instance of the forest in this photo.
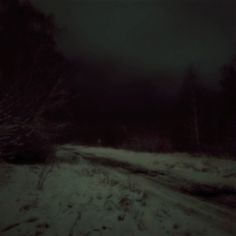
(46, 98)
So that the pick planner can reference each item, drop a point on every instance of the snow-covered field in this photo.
(84, 193)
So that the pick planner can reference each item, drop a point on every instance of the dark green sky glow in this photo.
(151, 35)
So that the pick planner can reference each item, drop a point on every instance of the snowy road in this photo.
(74, 197)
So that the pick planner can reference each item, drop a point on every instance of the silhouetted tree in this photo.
(228, 111)
(31, 70)
(189, 110)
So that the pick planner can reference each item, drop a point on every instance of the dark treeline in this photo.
(47, 99)
(139, 113)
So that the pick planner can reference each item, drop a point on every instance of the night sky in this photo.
(149, 36)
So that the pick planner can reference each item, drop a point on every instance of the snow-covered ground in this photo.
(82, 193)
(179, 167)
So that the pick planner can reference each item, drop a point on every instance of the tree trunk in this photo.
(196, 128)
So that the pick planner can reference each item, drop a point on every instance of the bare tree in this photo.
(190, 110)
(228, 111)
(31, 72)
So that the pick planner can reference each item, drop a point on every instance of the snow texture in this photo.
(82, 194)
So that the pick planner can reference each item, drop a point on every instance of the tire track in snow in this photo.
(216, 216)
